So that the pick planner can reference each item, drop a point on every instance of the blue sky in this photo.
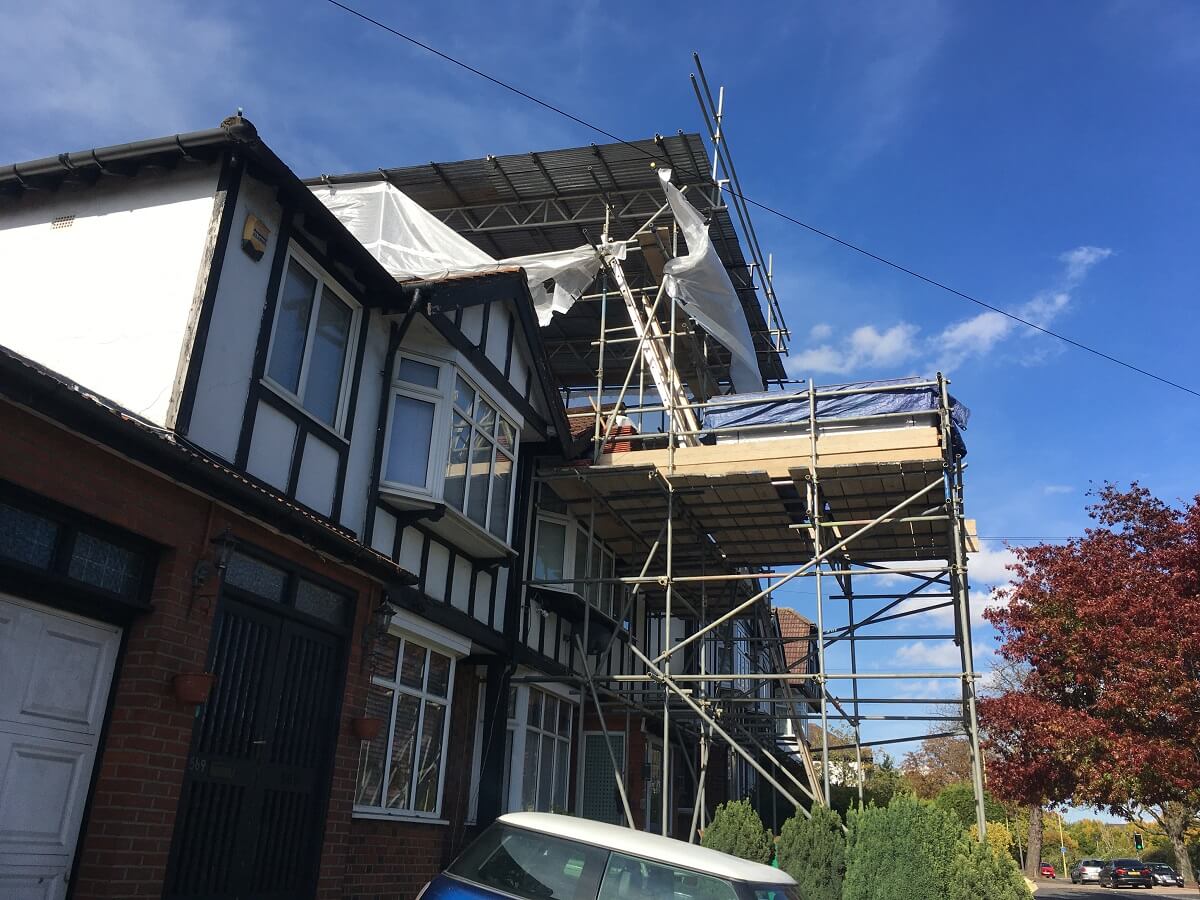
(1040, 156)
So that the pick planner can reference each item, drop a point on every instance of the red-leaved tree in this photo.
(1108, 626)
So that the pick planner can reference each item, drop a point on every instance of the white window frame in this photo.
(520, 728)
(435, 465)
(439, 455)
(608, 596)
(325, 281)
(412, 630)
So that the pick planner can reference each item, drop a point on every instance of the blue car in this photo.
(539, 856)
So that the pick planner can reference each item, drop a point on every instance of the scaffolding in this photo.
(865, 509)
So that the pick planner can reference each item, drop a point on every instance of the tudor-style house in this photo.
(269, 516)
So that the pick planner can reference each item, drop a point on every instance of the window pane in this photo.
(384, 656)
(327, 362)
(627, 878)
(529, 864)
(486, 417)
(418, 373)
(256, 577)
(501, 492)
(512, 703)
(549, 711)
(25, 537)
(507, 779)
(321, 602)
(594, 594)
(409, 441)
(564, 718)
(559, 803)
(412, 669)
(546, 775)
(439, 674)
(431, 757)
(581, 564)
(371, 754)
(404, 738)
(455, 489)
(104, 565)
(505, 434)
(535, 708)
(548, 501)
(464, 396)
(291, 327)
(481, 467)
(551, 546)
(529, 776)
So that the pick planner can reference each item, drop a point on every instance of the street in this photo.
(1064, 890)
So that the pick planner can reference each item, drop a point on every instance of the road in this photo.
(1064, 890)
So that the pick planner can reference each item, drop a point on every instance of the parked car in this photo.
(1122, 872)
(1046, 870)
(1086, 870)
(1164, 874)
(541, 856)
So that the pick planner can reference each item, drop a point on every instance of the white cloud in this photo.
(938, 654)
(820, 332)
(867, 350)
(1051, 489)
(865, 347)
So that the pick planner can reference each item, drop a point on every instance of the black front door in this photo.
(251, 811)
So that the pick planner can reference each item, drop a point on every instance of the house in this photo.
(297, 587)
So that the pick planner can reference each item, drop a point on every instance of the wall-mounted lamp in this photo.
(377, 626)
(223, 546)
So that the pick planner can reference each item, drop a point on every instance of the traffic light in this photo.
(1137, 842)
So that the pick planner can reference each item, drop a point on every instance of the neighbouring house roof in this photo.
(797, 634)
(48, 394)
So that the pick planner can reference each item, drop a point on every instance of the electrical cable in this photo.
(933, 282)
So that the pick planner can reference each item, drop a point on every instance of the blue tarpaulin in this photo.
(791, 407)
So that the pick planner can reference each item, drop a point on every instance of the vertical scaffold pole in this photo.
(814, 512)
(848, 590)
(962, 597)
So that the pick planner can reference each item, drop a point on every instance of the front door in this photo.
(250, 816)
(55, 673)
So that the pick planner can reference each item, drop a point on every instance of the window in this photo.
(530, 864)
(400, 770)
(630, 878)
(447, 439)
(562, 550)
(416, 395)
(309, 355)
(546, 765)
(479, 471)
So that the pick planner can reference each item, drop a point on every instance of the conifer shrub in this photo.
(736, 829)
(903, 851)
(980, 873)
(813, 851)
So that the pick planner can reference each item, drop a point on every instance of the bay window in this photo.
(562, 549)
(401, 769)
(448, 440)
(308, 360)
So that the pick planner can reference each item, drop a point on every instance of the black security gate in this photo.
(250, 815)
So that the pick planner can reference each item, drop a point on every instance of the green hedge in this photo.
(737, 830)
(813, 851)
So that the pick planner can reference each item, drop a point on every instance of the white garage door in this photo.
(55, 674)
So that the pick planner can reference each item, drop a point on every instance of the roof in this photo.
(651, 846)
(556, 200)
(27, 384)
(797, 634)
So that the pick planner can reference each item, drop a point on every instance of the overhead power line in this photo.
(849, 245)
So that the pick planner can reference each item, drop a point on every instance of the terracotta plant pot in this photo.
(193, 687)
(366, 728)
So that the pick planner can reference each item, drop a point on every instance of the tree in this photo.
(1109, 627)
(813, 851)
(737, 830)
(939, 763)
(980, 873)
(959, 799)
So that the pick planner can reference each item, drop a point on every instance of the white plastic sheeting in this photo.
(700, 284)
(411, 242)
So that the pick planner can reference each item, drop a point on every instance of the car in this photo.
(1086, 870)
(1164, 874)
(1122, 872)
(545, 856)
(1046, 870)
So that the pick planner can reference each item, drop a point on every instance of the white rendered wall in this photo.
(105, 301)
(228, 355)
